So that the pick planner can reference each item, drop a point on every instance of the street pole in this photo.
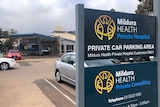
(156, 10)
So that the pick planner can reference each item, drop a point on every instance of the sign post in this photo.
(156, 5)
(104, 34)
(80, 55)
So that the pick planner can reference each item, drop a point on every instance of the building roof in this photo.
(59, 31)
(34, 35)
(58, 28)
(65, 36)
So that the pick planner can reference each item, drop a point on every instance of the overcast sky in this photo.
(42, 16)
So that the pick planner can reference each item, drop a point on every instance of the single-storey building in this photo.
(66, 40)
(34, 43)
(58, 43)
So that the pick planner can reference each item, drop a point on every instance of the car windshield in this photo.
(101, 62)
(13, 51)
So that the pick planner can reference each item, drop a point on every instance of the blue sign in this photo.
(127, 85)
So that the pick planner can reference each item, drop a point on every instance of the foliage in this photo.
(8, 44)
(112, 10)
(145, 7)
(4, 34)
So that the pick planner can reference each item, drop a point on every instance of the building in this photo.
(58, 43)
(34, 43)
(65, 40)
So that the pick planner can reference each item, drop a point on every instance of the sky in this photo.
(43, 16)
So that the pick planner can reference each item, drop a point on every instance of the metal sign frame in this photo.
(156, 5)
(80, 55)
(80, 51)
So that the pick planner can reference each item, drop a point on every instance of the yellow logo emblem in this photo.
(25, 46)
(104, 26)
(104, 81)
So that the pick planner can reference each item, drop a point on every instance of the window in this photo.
(65, 58)
(72, 59)
(70, 48)
(62, 48)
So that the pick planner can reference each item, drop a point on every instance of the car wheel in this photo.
(58, 76)
(4, 66)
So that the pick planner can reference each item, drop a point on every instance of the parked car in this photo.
(65, 67)
(44, 52)
(15, 54)
(7, 63)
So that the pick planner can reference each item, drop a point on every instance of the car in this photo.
(44, 52)
(15, 54)
(7, 63)
(65, 67)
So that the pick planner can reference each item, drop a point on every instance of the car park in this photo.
(7, 63)
(65, 66)
(15, 54)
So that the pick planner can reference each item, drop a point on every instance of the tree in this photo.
(145, 7)
(8, 44)
(12, 31)
(4, 34)
(112, 10)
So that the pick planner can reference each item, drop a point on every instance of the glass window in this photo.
(13, 51)
(70, 48)
(72, 59)
(65, 58)
(62, 48)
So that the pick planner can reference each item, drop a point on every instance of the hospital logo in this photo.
(104, 26)
(104, 81)
(26, 47)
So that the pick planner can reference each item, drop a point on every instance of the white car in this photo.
(7, 63)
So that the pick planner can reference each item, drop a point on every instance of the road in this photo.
(32, 84)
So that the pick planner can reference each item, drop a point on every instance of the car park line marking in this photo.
(60, 92)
